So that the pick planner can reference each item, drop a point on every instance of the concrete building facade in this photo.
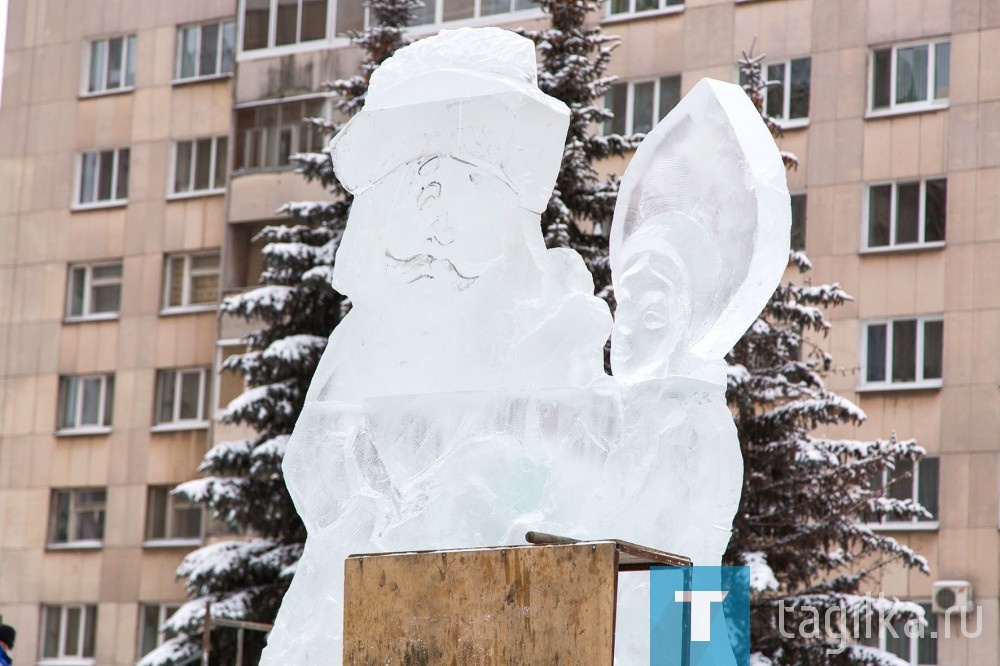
(892, 106)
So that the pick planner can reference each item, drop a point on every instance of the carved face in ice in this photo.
(436, 226)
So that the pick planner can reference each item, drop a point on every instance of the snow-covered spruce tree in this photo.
(801, 525)
(572, 66)
(295, 310)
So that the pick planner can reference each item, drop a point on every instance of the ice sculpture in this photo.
(463, 400)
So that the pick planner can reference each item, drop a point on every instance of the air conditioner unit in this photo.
(952, 595)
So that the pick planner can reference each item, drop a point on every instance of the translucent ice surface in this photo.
(463, 400)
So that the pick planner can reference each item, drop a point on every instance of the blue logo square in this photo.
(699, 616)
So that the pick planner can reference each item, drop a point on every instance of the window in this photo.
(913, 642)
(86, 402)
(182, 397)
(171, 517)
(103, 177)
(77, 516)
(95, 290)
(618, 7)
(200, 165)
(639, 105)
(907, 214)
(205, 50)
(152, 617)
(191, 280)
(786, 97)
(111, 64)
(903, 353)
(270, 23)
(458, 10)
(910, 76)
(266, 135)
(69, 632)
(917, 482)
(798, 221)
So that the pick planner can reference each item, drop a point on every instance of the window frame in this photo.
(630, 101)
(783, 121)
(662, 7)
(115, 200)
(272, 28)
(336, 37)
(201, 421)
(240, 147)
(213, 166)
(74, 508)
(897, 108)
(919, 383)
(172, 503)
(186, 306)
(220, 57)
(88, 621)
(930, 631)
(129, 45)
(89, 284)
(163, 612)
(893, 246)
(915, 524)
(105, 405)
(804, 194)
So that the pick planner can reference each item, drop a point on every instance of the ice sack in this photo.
(463, 400)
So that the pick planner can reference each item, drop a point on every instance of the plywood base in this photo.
(525, 605)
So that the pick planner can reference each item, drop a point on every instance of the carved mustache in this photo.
(426, 266)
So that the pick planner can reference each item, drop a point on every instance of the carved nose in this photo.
(440, 231)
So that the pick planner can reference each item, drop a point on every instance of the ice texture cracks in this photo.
(463, 400)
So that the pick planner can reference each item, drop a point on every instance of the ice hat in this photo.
(7, 635)
(465, 93)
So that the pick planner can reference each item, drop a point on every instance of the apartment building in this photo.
(143, 145)
(114, 131)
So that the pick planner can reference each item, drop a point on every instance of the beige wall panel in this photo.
(157, 58)
(933, 139)
(905, 142)
(989, 134)
(983, 474)
(873, 292)
(991, 13)
(708, 36)
(120, 575)
(107, 630)
(256, 197)
(964, 80)
(71, 576)
(96, 234)
(25, 517)
(935, 16)
(963, 137)
(151, 114)
(980, 62)
(200, 109)
(986, 369)
(52, 183)
(844, 269)
(987, 275)
(982, 650)
(797, 143)
(961, 213)
(956, 413)
(929, 281)
(41, 236)
(847, 230)
(958, 360)
(174, 456)
(52, 129)
(156, 580)
(987, 204)
(881, 21)
(32, 347)
(965, 15)
(57, 68)
(954, 506)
